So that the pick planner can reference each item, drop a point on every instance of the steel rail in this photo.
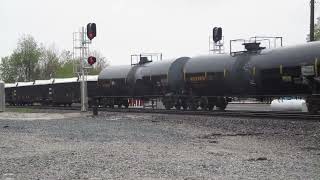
(227, 113)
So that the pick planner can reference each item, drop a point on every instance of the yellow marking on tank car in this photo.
(198, 78)
(254, 71)
(287, 78)
(224, 73)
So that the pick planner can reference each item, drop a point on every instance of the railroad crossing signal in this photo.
(91, 30)
(91, 60)
(217, 34)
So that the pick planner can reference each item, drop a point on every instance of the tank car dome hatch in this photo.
(253, 46)
(155, 68)
(65, 80)
(115, 72)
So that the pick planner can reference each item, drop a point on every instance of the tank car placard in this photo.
(307, 70)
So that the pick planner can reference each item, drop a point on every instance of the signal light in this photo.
(217, 34)
(92, 60)
(91, 30)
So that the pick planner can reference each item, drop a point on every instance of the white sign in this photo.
(307, 70)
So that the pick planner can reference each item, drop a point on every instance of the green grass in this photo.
(19, 110)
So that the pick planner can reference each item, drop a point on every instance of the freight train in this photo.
(204, 82)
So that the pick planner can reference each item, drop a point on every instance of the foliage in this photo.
(49, 62)
(6, 72)
(99, 65)
(30, 62)
(22, 65)
(65, 70)
(20, 110)
(317, 30)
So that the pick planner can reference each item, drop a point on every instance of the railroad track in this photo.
(230, 113)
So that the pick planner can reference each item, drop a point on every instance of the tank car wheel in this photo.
(312, 109)
(167, 106)
(204, 107)
(126, 104)
(210, 107)
(193, 107)
(221, 104)
(222, 107)
(178, 107)
(185, 107)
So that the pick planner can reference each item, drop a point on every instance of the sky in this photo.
(173, 27)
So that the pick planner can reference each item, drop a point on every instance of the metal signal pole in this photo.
(80, 54)
(312, 20)
(84, 98)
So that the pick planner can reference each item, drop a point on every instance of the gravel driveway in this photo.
(138, 146)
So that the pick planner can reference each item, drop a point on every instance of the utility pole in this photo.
(312, 20)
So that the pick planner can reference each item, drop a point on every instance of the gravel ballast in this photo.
(64, 145)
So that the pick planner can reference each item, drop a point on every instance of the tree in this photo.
(23, 61)
(49, 62)
(100, 64)
(317, 30)
(66, 65)
(29, 62)
(6, 72)
(65, 70)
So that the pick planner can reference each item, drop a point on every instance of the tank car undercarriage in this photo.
(194, 103)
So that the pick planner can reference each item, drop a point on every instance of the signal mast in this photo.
(84, 39)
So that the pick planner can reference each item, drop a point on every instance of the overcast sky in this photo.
(173, 27)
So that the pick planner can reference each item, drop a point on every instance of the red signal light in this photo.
(92, 60)
(91, 30)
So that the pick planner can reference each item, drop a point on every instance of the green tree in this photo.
(7, 73)
(29, 54)
(100, 64)
(317, 30)
(29, 62)
(23, 61)
(49, 62)
(65, 69)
